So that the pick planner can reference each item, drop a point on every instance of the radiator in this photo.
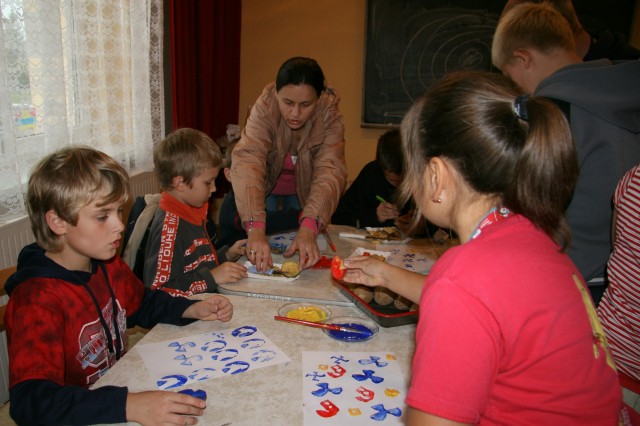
(17, 234)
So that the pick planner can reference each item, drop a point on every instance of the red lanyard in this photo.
(494, 215)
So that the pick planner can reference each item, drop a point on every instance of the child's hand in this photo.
(163, 407)
(237, 250)
(212, 308)
(386, 211)
(365, 270)
(229, 272)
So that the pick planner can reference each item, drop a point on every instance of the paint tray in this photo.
(385, 315)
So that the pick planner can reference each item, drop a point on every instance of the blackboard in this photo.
(412, 43)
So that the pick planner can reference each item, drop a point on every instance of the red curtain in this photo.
(205, 65)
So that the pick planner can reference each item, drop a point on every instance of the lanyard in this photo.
(494, 215)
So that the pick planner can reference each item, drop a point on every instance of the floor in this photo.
(133, 336)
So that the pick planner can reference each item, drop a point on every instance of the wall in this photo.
(330, 31)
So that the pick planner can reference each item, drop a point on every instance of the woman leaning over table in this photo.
(291, 152)
(506, 329)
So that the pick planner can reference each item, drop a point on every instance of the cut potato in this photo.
(290, 268)
(383, 296)
(363, 292)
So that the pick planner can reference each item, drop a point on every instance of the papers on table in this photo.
(189, 360)
(354, 388)
(280, 242)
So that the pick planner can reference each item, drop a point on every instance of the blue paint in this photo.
(363, 333)
(199, 393)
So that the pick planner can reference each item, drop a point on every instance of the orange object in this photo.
(337, 268)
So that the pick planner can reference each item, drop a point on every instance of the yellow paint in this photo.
(323, 367)
(391, 393)
(391, 357)
(354, 412)
(308, 313)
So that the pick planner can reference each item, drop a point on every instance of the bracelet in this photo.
(257, 224)
(313, 224)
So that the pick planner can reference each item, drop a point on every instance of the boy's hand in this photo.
(229, 272)
(306, 244)
(386, 211)
(163, 407)
(237, 250)
(212, 308)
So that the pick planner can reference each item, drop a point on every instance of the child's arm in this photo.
(34, 401)
(162, 407)
(228, 272)
(374, 272)
(166, 273)
(212, 308)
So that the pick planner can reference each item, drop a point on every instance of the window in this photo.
(77, 72)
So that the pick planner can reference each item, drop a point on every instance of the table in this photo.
(249, 398)
(316, 285)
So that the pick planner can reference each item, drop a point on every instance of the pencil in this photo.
(379, 198)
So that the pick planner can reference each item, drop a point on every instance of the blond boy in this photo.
(72, 299)
(180, 257)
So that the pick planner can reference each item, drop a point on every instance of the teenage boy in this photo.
(535, 47)
(72, 299)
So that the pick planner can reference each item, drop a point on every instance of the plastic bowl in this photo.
(367, 327)
(305, 311)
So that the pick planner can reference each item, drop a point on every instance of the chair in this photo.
(4, 275)
(137, 231)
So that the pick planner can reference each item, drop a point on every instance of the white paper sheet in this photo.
(176, 363)
(352, 388)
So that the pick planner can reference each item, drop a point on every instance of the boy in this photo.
(72, 300)
(361, 204)
(535, 47)
(180, 257)
(231, 229)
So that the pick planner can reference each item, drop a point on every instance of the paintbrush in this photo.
(329, 240)
(334, 327)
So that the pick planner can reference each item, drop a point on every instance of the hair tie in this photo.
(520, 107)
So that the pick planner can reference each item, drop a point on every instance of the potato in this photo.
(290, 268)
(383, 296)
(402, 303)
(363, 292)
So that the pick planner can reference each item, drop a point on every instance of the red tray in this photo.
(386, 316)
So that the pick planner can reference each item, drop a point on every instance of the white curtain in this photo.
(83, 72)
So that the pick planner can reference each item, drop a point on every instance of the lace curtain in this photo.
(77, 72)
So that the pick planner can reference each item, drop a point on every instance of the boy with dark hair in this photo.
(360, 205)
(180, 257)
(72, 298)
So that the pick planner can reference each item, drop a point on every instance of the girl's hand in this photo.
(366, 270)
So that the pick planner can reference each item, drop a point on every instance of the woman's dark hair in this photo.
(299, 71)
(516, 148)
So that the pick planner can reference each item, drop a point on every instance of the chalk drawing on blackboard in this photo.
(408, 52)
